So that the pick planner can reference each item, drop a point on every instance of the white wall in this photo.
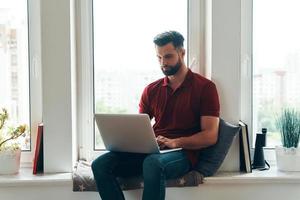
(57, 100)
(225, 65)
(276, 191)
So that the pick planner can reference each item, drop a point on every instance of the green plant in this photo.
(8, 135)
(288, 124)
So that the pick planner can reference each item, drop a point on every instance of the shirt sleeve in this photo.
(210, 105)
(144, 105)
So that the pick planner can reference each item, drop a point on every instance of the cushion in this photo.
(211, 158)
(83, 179)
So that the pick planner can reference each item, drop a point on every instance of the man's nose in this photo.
(163, 62)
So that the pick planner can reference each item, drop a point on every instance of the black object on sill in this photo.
(259, 161)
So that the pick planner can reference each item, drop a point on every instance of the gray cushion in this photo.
(83, 179)
(211, 158)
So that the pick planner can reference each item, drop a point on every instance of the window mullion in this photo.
(85, 78)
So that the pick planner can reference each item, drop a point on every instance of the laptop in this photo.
(128, 133)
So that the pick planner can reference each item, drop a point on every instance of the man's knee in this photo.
(95, 165)
(152, 163)
(102, 163)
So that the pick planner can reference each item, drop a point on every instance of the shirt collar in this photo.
(186, 82)
(166, 81)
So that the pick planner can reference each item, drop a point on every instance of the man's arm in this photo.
(207, 137)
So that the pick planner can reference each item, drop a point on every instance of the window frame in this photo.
(34, 73)
(35, 80)
(246, 76)
(85, 94)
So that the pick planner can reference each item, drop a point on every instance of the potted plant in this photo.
(10, 150)
(288, 155)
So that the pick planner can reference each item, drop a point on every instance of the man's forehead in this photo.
(168, 46)
(166, 49)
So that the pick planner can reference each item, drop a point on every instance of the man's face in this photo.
(169, 58)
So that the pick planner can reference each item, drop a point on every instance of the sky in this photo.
(276, 32)
(123, 34)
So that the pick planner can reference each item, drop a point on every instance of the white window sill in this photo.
(272, 176)
(267, 176)
(26, 178)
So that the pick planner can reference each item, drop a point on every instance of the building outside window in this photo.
(276, 63)
(124, 54)
(14, 65)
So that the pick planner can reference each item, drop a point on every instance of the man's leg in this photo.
(111, 165)
(157, 168)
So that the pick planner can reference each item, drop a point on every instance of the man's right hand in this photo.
(160, 142)
(164, 142)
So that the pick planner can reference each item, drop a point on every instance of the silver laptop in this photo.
(128, 133)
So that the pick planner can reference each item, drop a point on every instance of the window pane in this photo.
(276, 62)
(14, 74)
(124, 54)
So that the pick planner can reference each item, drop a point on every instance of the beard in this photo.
(170, 70)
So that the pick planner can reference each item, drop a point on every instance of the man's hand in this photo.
(164, 142)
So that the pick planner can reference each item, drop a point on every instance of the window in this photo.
(124, 55)
(276, 63)
(14, 65)
(118, 57)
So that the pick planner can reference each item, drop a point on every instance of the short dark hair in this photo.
(167, 37)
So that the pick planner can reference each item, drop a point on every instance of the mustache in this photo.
(165, 66)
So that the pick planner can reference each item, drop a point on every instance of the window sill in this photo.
(271, 176)
(26, 178)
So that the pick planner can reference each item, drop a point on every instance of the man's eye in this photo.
(168, 56)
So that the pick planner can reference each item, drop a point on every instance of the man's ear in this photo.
(181, 51)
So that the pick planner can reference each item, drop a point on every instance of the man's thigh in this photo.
(127, 164)
(174, 164)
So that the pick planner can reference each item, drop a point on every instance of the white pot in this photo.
(288, 159)
(10, 161)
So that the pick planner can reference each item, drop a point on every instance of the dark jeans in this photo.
(156, 169)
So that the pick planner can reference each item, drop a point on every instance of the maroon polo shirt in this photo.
(178, 113)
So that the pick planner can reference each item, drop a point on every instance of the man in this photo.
(185, 107)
